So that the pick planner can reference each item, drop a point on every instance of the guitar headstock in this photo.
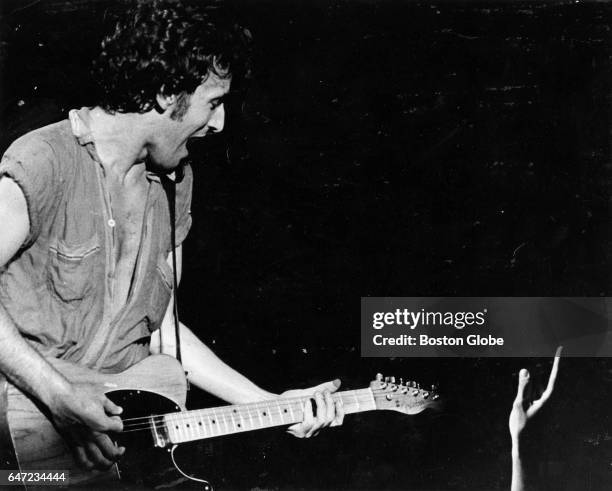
(407, 398)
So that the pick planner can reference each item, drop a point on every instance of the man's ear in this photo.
(163, 101)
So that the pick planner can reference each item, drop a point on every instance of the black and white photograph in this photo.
(225, 226)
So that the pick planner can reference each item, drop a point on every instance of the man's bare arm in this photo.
(205, 369)
(69, 404)
(18, 360)
(208, 372)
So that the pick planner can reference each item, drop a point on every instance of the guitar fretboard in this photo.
(224, 420)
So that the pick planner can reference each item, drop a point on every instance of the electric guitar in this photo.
(152, 394)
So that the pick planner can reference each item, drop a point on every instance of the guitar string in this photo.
(273, 403)
(264, 404)
(224, 410)
(218, 413)
(188, 415)
(181, 418)
(144, 423)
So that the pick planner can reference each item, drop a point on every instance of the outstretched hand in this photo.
(523, 409)
(328, 411)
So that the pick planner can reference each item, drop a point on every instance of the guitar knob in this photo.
(392, 380)
(435, 397)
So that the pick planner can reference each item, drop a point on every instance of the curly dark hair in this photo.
(167, 47)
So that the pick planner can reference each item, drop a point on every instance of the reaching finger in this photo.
(301, 430)
(319, 420)
(107, 447)
(81, 458)
(554, 370)
(522, 384)
(339, 413)
(113, 424)
(111, 408)
(550, 386)
(321, 409)
(95, 455)
(553, 375)
(308, 412)
(331, 386)
(330, 408)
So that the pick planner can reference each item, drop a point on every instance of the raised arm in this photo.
(80, 412)
(522, 411)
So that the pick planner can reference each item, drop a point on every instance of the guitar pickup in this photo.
(159, 432)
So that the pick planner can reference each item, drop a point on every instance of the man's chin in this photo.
(166, 167)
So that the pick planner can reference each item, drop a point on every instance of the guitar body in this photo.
(156, 385)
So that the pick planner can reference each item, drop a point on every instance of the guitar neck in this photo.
(188, 426)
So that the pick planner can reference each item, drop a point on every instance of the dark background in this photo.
(383, 148)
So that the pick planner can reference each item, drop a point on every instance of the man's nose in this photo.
(217, 120)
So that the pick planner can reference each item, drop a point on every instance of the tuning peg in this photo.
(418, 385)
(425, 395)
(415, 392)
(401, 381)
(379, 376)
(435, 397)
(434, 388)
(392, 380)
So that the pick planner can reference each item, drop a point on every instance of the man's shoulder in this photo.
(53, 139)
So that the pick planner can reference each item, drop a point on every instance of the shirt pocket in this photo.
(160, 293)
(71, 268)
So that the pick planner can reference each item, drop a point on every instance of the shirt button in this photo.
(111, 223)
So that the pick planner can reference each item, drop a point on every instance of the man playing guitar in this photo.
(87, 228)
